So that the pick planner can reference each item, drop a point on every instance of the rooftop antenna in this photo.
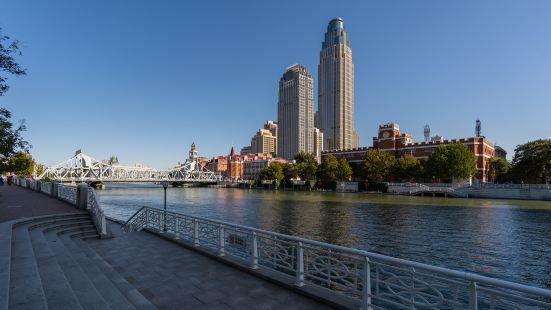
(478, 128)
(427, 133)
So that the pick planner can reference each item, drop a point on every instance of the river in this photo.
(507, 239)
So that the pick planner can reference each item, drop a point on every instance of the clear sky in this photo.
(142, 80)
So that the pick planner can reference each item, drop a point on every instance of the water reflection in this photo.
(500, 238)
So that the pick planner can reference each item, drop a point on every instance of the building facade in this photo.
(336, 89)
(265, 140)
(318, 143)
(390, 139)
(295, 113)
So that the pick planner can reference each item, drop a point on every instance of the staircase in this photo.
(46, 263)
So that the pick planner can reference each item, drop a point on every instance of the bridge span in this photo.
(84, 168)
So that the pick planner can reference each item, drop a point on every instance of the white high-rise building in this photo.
(318, 143)
(295, 112)
(336, 89)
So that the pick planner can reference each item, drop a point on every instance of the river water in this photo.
(507, 239)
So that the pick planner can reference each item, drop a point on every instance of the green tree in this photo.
(328, 168)
(11, 140)
(290, 171)
(499, 168)
(454, 161)
(344, 171)
(532, 162)
(307, 165)
(377, 165)
(273, 172)
(408, 168)
(8, 49)
(22, 164)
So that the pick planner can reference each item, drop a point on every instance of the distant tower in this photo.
(478, 128)
(427, 133)
(193, 153)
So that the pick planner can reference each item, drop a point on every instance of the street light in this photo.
(165, 185)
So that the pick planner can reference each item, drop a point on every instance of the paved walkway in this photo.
(173, 277)
(17, 202)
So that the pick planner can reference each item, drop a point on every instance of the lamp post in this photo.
(165, 185)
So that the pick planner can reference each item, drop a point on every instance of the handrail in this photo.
(374, 279)
(98, 216)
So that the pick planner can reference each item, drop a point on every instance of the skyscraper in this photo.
(295, 112)
(336, 89)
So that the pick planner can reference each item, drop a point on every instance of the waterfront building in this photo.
(253, 163)
(218, 164)
(390, 139)
(318, 143)
(245, 150)
(295, 112)
(265, 140)
(336, 89)
(501, 152)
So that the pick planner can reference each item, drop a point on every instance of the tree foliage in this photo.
(377, 165)
(8, 49)
(273, 172)
(22, 164)
(290, 172)
(307, 165)
(499, 168)
(408, 168)
(532, 162)
(10, 136)
(328, 168)
(453, 161)
(343, 171)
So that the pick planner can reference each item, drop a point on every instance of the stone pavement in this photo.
(17, 202)
(174, 277)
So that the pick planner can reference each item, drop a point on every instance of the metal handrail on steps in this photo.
(375, 281)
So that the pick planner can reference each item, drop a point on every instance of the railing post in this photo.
(221, 240)
(82, 196)
(103, 225)
(366, 289)
(195, 232)
(473, 297)
(254, 263)
(53, 192)
(300, 266)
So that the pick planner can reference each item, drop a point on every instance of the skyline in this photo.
(421, 67)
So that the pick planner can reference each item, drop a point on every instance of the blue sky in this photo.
(144, 79)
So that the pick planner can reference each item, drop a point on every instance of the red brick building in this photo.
(391, 140)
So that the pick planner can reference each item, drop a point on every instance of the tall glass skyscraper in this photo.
(295, 112)
(336, 89)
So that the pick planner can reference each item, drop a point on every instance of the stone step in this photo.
(70, 225)
(59, 221)
(110, 292)
(57, 290)
(84, 290)
(70, 230)
(25, 286)
(87, 234)
(127, 289)
(49, 218)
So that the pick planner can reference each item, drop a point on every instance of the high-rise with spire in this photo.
(336, 89)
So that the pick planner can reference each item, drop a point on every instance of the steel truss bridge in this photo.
(83, 168)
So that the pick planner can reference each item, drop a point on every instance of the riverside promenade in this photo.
(51, 257)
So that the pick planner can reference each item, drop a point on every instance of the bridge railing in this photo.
(372, 280)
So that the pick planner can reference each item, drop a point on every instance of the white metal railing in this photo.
(98, 216)
(67, 193)
(46, 187)
(374, 280)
